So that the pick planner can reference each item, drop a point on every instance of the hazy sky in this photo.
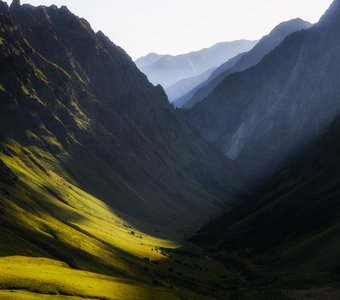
(179, 26)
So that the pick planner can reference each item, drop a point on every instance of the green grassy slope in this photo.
(44, 215)
(59, 242)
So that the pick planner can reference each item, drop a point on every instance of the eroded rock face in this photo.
(263, 116)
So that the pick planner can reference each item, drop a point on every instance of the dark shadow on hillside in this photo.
(157, 211)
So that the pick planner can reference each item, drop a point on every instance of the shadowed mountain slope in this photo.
(291, 226)
(286, 235)
(264, 115)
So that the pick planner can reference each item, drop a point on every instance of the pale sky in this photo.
(180, 26)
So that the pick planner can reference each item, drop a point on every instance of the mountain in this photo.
(244, 61)
(148, 59)
(203, 89)
(263, 116)
(100, 177)
(170, 69)
(92, 122)
(290, 227)
(183, 86)
(285, 236)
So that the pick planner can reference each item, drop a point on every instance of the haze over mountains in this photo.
(180, 88)
(168, 70)
(242, 61)
(106, 188)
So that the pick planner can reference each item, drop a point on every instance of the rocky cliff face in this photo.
(71, 92)
(263, 116)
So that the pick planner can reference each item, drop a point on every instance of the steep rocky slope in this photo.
(263, 116)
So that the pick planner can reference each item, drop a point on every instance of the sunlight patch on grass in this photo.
(25, 90)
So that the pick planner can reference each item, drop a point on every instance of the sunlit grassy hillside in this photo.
(59, 242)
(57, 239)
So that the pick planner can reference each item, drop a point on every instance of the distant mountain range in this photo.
(181, 87)
(167, 70)
(242, 61)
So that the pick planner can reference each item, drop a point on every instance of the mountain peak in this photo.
(3, 6)
(15, 4)
(332, 15)
(290, 26)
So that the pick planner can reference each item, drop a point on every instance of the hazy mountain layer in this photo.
(184, 86)
(244, 61)
(206, 87)
(169, 69)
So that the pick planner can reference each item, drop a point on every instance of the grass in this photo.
(25, 90)
(52, 141)
(58, 240)
(79, 77)
(54, 278)
(24, 295)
